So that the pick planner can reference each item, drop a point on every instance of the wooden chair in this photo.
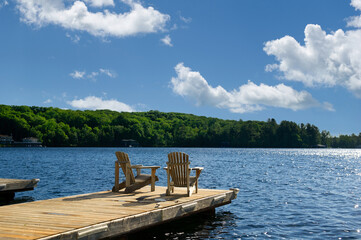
(132, 183)
(178, 172)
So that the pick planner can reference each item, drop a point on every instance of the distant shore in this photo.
(54, 127)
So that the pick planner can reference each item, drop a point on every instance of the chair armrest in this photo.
(165, 168)
(197, 168)
(144, 167)
(136, 166)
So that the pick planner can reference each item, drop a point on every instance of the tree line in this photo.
(56, 127)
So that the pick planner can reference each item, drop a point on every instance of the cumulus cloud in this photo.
(96, 103)
(247, 98)
(100, 3)
(77, 74)
(324, 60)
(167, 41)
(356, 20)
(76, 16)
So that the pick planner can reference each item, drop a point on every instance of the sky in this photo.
(298, 61)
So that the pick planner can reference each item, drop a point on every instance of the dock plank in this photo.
(103, 214)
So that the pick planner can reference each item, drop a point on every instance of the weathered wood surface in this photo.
(104, 214)
(17, 185)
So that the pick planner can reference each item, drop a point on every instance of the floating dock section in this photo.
(104, 214)
(8, 187)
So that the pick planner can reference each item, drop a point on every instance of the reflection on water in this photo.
(284, 193)
(200, 226)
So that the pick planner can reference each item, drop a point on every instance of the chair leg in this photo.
(116, 184)
(198, 172)
(127, 176)
(153, 180)
(169, 187)
(189, 191)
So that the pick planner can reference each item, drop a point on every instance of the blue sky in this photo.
(252, 59)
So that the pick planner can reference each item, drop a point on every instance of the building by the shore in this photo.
(8, 141)
(129, 143)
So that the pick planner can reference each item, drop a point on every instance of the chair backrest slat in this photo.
(124, 162)
(178, 168)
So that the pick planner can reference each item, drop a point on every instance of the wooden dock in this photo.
(104, 214)
(8, 187)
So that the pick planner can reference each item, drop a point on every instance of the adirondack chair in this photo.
(132, 182)
(178, 172)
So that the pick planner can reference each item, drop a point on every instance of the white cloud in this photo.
(96, 103)
(186, 20)
(356, 4)
(356, 20)
(107, 72)
(324, 60)
(74, 38)
(167, 41)
(48, 101)
(93, 75)
(77, 74)
(3, 3)
(249, 97)
(100, 3)
(102, 23)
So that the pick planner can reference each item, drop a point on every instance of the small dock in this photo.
(8, 187)
(104, 214)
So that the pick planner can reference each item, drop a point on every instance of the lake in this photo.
(284, 193)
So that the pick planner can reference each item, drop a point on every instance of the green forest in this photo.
(56, 127)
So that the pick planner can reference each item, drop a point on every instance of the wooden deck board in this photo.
(33, 226)
(103, 214)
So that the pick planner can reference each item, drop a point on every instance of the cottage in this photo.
(6, 140)
(30, 142)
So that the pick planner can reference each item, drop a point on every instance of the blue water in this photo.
(284, 193)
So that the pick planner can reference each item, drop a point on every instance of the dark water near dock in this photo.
(284, 193)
